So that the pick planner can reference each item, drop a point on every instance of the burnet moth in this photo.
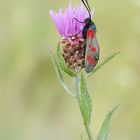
(89, 36)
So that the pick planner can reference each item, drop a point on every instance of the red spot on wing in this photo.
(90, 34)
(89, 46)
(90, 60)
(93, 49)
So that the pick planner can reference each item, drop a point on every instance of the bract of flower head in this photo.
(74, 52)
(65, 22)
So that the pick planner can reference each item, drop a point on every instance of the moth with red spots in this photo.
(89, 36)
(92, 50)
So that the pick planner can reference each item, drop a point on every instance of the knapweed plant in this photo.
(76, 56)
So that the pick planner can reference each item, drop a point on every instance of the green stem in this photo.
(88, 132)
(77, 86)
(77, 78)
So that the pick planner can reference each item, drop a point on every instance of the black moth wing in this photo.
(92, 50)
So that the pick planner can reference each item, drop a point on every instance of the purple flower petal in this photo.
(65, 22)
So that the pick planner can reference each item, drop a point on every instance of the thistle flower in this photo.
(71, 31)
(74, 55)
(65, 22)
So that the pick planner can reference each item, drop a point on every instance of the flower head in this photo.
(70, 29)
(65, 22)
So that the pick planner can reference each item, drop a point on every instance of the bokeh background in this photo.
(33, 104)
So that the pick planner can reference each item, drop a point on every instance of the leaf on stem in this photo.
(60, 75)
(84, 101)
(104, 130)
(107, 59)
(62, 63)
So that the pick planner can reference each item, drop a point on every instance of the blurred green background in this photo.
(33, 104)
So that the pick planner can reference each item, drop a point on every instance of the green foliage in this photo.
(106, 60)
(104, 130)
(26, 31)
(84, 101)
(62, 64)
(60, 75)
(82, 92)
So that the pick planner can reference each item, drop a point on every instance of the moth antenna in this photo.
(85, 4)
(87, 7)
(78, 20)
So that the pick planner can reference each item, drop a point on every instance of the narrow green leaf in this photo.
(104, 130)
(84, 101)
(60, 75)
(62, 64)
(107, 59)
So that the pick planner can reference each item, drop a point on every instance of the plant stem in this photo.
(77, 78)
(88, 132)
